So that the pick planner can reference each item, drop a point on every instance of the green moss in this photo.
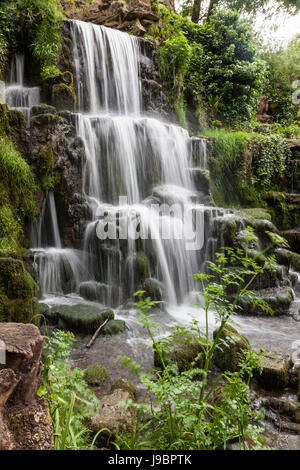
(141, 265)
(253, 214)
(63, 97)
(95, 374)
(288, 258)
(18, 302)
(114, 327)
(126, 385)
(4, 124)
(83, 318)
(45, 160)
(181, 350)
(285, 213)
(227, 356)
(275, 369)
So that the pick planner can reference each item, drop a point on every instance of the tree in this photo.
(196, 11)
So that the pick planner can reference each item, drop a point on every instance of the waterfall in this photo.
(135, 166)
(17, 96)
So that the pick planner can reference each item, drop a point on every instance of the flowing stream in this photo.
(134, 165)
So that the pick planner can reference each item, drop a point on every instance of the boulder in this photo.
(126, 385)
(275, 371)
(279, 299)
(81, 318)
(181, 350)
(113, 416)
(114, 327)
(153, 289)
(24, 418)
(226, 356)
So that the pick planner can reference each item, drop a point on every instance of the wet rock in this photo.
(284, 407)
(288, 258)
(114, 327)
(126, 385)
(226, 356)
(42, 109)
(82, 318)
(63, 97)
(181, 350)
(201, 179)
(95, 374)
(275, 371)
(153, 289)
(24, 418)
(279, 300)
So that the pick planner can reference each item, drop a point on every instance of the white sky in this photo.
(278, 30)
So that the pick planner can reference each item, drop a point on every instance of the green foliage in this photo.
(283, 70)
(37, 22)
(216, 66)
(185, 411)
(95, 374)
(270, 157)
(17, 195)
(227, 163)
(70, 401)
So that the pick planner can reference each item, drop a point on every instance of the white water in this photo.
(17, 96)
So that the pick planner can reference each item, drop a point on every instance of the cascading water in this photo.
(146, 161)
(17, 96)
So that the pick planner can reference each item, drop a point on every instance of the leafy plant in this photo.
(70, 401)
(187, 410)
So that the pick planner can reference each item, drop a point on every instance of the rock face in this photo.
(136, 16)
(24, 418)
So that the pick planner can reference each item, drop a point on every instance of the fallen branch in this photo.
(95, 336)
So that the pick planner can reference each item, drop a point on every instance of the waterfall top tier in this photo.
(106, 69)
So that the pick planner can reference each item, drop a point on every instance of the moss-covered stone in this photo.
(4, 124)
(18, 302)
(95, 374)
(126, 385)
(253, 214)
(63, 97)
(82, 318)
(275, 370)
(278, 299)
(153, 289)
(141, 265)
(182, 350)
(201, 178)
(226, 356)
(45, 160)
(42, 109)
(114, 327)
(288, 258)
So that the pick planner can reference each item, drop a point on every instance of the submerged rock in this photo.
(81, 318)
(275, 371)
(226, 357)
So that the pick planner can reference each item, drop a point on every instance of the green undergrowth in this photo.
(17, 195)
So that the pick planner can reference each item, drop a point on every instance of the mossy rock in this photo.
(278, 299)
(275, 371)
(153, 289)
(181, 350)
(81, 318)
(114, 327)
(230, 228)
(45, 160)
(253, 214)
(201, 178)
(288, 258)
(42, 109)
(126, 385)
(16, 119)
(18, 302)
(4, 124)
(63, 97)
(141, 265)
(95, 374)
(226, 356)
